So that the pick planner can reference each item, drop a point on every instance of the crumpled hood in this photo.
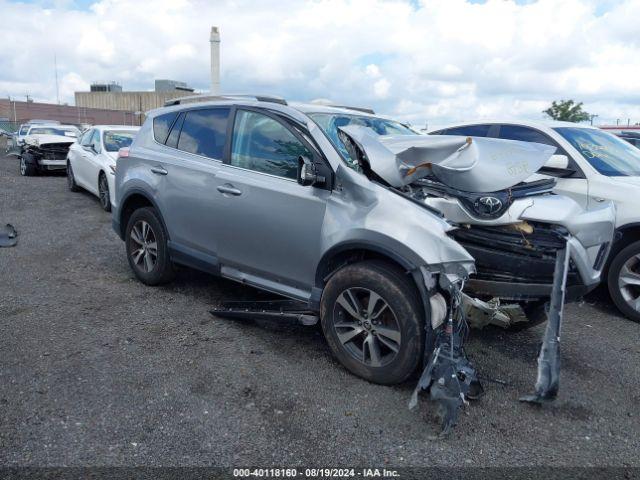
(464, 163)
(44, 139)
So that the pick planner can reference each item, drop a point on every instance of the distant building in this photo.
(134, 101)
(105, 87)
(19, 112)
(163, 85)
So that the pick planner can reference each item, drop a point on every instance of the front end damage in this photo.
(47, 152)
(528, 243)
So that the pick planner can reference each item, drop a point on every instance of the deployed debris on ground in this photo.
(8, 236)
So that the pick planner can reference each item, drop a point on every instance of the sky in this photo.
(421, 61)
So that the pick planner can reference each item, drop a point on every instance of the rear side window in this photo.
(263, 144)
(204, 132)
(467, 131)
(172, 139)
(524, 134)
(162, 124)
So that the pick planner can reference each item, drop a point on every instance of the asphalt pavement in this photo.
(97, 369)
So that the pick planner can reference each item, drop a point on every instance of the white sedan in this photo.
(91, 162)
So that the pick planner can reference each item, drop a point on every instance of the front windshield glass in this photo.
(115, 140)
(608, 154)
(64, 132)
(330, 122)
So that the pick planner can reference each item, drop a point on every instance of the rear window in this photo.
(204, 132)
(467, 131)
(162, 124)
(524, 134)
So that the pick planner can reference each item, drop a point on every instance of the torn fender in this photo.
(464, 163)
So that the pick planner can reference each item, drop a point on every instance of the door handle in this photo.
(599, 199)
(159, 170)
(229, 189)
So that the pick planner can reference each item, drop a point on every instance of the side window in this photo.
(162, 124)
(524, 134)
(204, 132)
(172, 139)
(96, 144)
(86, 138)
(263, 144)
(467, 131)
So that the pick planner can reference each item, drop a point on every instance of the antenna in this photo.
(55, 68)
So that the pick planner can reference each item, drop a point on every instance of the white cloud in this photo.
(445, 60)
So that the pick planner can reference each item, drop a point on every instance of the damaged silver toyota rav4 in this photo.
(324, 205)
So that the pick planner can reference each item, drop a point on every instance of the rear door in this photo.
(270, 226)
(187, 173)
(576, 185)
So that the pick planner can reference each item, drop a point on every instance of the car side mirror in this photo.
(308, 172)
(558, 162)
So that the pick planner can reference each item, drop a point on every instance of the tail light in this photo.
(123, 152)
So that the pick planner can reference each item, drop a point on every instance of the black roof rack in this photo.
(205, 98)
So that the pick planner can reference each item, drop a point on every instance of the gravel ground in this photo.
(98, 369)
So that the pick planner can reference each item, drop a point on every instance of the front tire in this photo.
(373, 321)
(147, 252)
(27, 166)
(624, 281)
(71, 180)
(103, 192)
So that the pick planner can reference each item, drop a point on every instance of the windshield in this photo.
(608, 154)
(114, 140)
(330, 122)
(65, 132)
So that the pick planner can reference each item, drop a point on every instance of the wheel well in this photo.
(131, 204)
(333, 262)
(624, 236)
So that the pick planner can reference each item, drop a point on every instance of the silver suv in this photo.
(262, 192)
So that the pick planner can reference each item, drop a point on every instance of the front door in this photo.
(270, 226)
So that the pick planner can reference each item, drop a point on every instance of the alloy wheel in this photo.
(144, 251)
(629, 282)
(103, 190)
(366, 326)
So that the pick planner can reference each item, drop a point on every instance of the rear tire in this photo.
(147, 251)
(28, 168)
(624, 281)
(394, 355)
(71, 180)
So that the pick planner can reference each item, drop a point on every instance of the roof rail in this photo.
(357, 109)
(205, 98)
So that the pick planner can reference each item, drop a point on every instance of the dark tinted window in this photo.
(204, 132)
(162, 124)
(262, 144)
(172, 140)
(468, 131)
(524, 134)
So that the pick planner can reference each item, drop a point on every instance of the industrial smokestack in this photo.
(215, 60)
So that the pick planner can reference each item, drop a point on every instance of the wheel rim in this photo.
(23, 166)
(366, 327)
(144, 247)
(103, 189)
(629, 282)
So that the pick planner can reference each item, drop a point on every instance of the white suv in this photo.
(591, 166)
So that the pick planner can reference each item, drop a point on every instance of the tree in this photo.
(567, 111)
